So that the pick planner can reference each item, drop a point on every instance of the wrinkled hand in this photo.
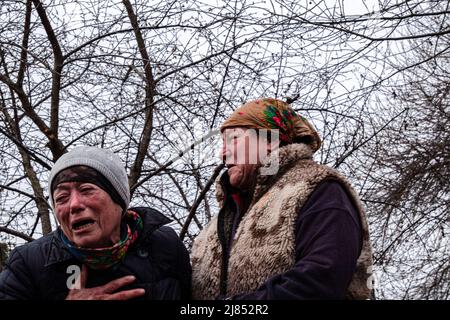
(105, 292)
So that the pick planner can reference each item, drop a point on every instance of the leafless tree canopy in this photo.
(149, 79)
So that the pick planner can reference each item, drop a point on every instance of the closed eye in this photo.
(232, 137)
(87, 190)
(88, 187)
(60, 199)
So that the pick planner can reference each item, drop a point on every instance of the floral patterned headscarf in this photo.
(270, 114)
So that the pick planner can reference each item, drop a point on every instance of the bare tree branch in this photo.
(144, 141)
(55, 145)
(200, 199)
(16, 233)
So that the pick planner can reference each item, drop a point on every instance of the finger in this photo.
(112, 286)
(83, 276)
(126, 295)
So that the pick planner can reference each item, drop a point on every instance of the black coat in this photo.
(158, 260)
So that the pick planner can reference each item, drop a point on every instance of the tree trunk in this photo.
(3, 255)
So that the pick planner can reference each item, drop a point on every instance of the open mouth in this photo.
(83, 224)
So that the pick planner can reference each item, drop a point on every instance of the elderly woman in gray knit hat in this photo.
(102, 249)
(297, 231)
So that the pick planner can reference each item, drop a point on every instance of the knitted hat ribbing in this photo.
(102, 160)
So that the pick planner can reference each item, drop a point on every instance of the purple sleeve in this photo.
(327, 246)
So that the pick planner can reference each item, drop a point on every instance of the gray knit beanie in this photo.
(102, 160)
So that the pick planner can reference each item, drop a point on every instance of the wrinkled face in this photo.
(87, 214)
(241, 153)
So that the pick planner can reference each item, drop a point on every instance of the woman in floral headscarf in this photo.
(288, 228)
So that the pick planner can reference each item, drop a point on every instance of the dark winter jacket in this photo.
(158, 260)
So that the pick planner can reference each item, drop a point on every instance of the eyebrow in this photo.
(60, 187)
(64, 186)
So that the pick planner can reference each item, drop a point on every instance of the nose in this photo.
(76, 202)
(223, 152)
(226, 153)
